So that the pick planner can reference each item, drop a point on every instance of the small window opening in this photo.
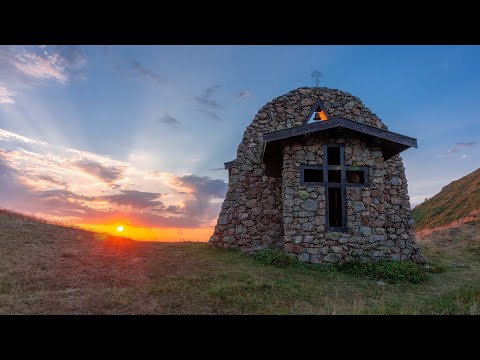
(320, 115)
(355, 176)
(335, 207)
(333, 154)
(334, 176)
(313, 175)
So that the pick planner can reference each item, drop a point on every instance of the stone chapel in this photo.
(320, 176)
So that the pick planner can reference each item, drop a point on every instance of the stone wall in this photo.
(377, 215)
(251, 215)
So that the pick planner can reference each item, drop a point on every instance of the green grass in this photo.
(390, 271)
(276, 257)
(260, 285)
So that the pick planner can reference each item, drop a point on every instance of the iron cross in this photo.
(317, 75)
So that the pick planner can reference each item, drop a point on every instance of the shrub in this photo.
(389, 271)
(276, 258)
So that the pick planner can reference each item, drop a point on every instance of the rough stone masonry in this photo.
(262, 211)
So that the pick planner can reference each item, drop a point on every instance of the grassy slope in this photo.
(456, 201)
(45, 269)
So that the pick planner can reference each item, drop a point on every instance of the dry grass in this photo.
(455, 203)
(49, 269)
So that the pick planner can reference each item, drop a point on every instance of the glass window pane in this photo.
(313, 175)
(333, 155)
(334, 176)
(335, 207)
(355, 176)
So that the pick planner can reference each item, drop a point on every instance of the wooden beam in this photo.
(340, 123)
(229, 164)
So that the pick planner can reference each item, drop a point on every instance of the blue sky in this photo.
(182, 110)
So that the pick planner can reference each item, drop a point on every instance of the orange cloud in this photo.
(85, 188)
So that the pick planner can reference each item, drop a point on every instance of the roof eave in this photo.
(340, 122)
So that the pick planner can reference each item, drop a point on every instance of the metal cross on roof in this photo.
(317, 75)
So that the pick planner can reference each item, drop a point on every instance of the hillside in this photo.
(48, 269)
(457, 201)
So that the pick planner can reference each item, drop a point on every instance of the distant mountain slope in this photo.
(457, 201)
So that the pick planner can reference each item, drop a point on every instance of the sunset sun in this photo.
(120, 228)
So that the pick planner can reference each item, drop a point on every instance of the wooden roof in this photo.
(390, 143)
(228, 164)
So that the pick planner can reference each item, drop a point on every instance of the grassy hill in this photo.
(48, 269)
(455, 202)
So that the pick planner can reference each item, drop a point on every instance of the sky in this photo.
(103, 136)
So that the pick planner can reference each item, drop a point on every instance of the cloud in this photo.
(212, 115)
(130, 66)
(81, 187)
(24, 67)
(140, 70)
(62, 194)
(462, 145)
(6, 96)
(205, 99)
(107, 174)
(244, 94)
(72, 57)
(54, 180)
(417, 200)
(205, 185)
(10, 188)
(175, 209)
(204, 191)
(209, 104)
(57, 63)
(40, 67)
(136, 199)
(169, 120)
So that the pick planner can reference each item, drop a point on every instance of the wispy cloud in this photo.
(129, 66)
(462, 145)
(142, 71)
(211, 114)
(6, 96)
(209, 105)
(244, 94)
(204, 191)
(206, 98)
(53, 180)
(23, 67)
(169, 120)
(136, 199)
(106, 173)
(461, 150)
(40, 67)
(43, 63)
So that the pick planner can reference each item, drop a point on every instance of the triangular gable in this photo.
(317, 107)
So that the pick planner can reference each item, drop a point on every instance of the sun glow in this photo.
(120, 228)
(153, 234)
